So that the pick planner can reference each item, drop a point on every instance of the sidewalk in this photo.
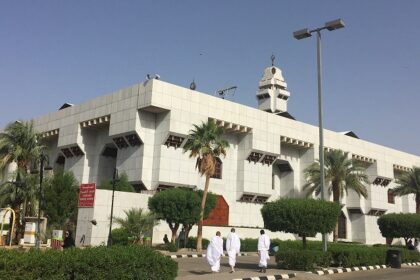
(197, 268)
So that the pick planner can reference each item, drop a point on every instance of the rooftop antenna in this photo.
(230, 91)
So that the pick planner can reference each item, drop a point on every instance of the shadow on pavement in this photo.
(199, 272)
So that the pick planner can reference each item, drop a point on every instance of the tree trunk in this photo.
(304, 241)
(336, 198)
(187, 231)
(200, 222)
(174, 229)
(18, 230)
(418, 203)
(335, 235)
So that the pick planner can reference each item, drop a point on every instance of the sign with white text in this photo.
(87, 195)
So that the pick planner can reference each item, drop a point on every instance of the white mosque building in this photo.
(141, 130)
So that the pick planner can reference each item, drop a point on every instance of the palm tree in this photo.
(341, 174)
(205, 144)
(21, 195)
(18, 144)
(409, 183)
(137, 223)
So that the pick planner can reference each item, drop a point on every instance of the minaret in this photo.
(272, 92)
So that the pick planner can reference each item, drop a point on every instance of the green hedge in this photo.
(171, 247)
(358, 256)
(117, 262)
(192, 243)
(302, 259)
(249, 245)
(120, 236)
(290, 256)
(409, 256)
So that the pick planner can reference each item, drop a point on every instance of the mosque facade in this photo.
(141, 131)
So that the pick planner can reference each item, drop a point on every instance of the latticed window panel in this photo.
(174, 141)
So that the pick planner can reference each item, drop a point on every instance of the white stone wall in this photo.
(156, 109)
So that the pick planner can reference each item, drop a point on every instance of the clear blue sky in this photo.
(53, 52)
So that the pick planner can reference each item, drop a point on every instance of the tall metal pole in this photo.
(41, 176)
(321, 132)
(114, 179)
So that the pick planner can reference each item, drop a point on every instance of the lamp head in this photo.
(302, 34)
(334, 24)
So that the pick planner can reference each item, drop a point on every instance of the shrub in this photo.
(406, 225)
(171, 247)
(305, 217)
(192, 243)
(120, 236)
(117, 262)
(358, 256)
(408, 256)
(249, 245)
(302, 259)
(340, 254)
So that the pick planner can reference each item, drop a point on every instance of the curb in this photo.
(411, 264)
(199, 256)
(342, 270)
(269, 277)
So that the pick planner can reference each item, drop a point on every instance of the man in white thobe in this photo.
(214, 252)
(263, 248)
(233, 247)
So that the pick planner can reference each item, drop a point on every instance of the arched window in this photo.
(218, 172)
(342, 226)
(391, 198)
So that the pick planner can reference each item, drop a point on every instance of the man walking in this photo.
(214, 252)
(263, 247)
(233, 247)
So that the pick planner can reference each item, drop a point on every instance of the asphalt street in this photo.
(198, 269)
(405, 273)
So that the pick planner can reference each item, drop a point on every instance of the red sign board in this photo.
(87, 195)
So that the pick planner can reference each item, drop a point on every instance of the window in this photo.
(174, 141)
(218, 170)
(254, 157)
(342, 226)
(391, 198)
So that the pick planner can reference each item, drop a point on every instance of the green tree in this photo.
(60, 200)
(305, 217)
(341, 174)
(20, 194)
(122, 185)
(180, 206)
(205, 144)
(18, 144)
(401, 225)
(195, 207)
(137, 223)
(409, 183)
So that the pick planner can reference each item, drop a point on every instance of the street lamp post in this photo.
(42, 160)
(302, 34)
(114, 180)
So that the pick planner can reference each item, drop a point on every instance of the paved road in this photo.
(405, 273)
(198, 269)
